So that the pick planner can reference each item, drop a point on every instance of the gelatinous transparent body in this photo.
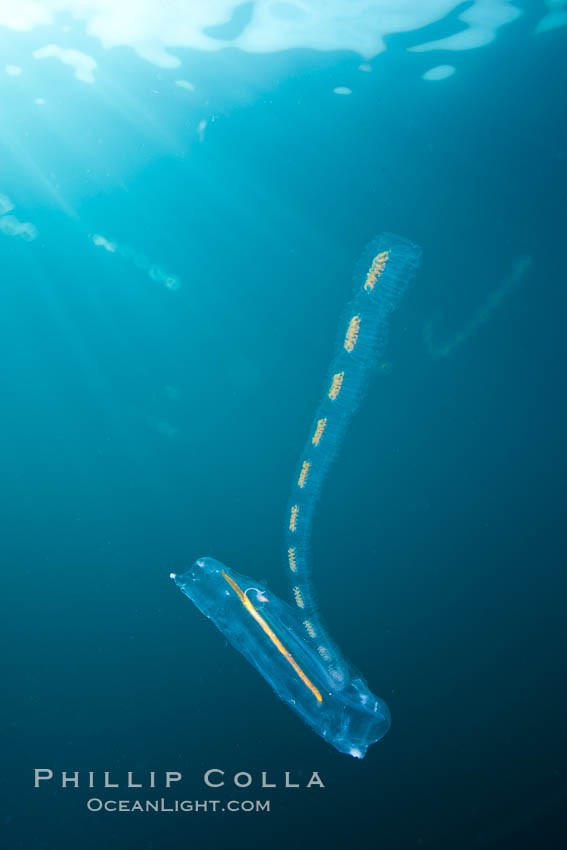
(270, 634)
(290, 645)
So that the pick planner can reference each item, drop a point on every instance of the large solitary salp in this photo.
(288, 643)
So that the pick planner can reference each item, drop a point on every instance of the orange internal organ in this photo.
(336, 385)
(316, 438)
(272, 636)
(303, 474)
(352, 333)
(298, 597)
(310, 630)
(376, 270)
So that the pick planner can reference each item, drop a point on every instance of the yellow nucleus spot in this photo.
(303, 474)
(310, 630)
(352, 333)
(376, 270)
(293, 517)
(336, 385)
(272, 636)
(292, 561)
(319, 431)
(298, 597)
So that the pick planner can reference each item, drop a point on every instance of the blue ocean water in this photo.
(178, 231)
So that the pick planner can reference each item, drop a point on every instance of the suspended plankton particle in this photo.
(201, 126)
(172, 282)
(140, 261)
(6, 204)
(365, 67)
(173, 392)
(520, 269)
(342, 90)
(185, 84)
(12, 226)
(13, 70)
(102, 242)
(440, 72)
(163, 427)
